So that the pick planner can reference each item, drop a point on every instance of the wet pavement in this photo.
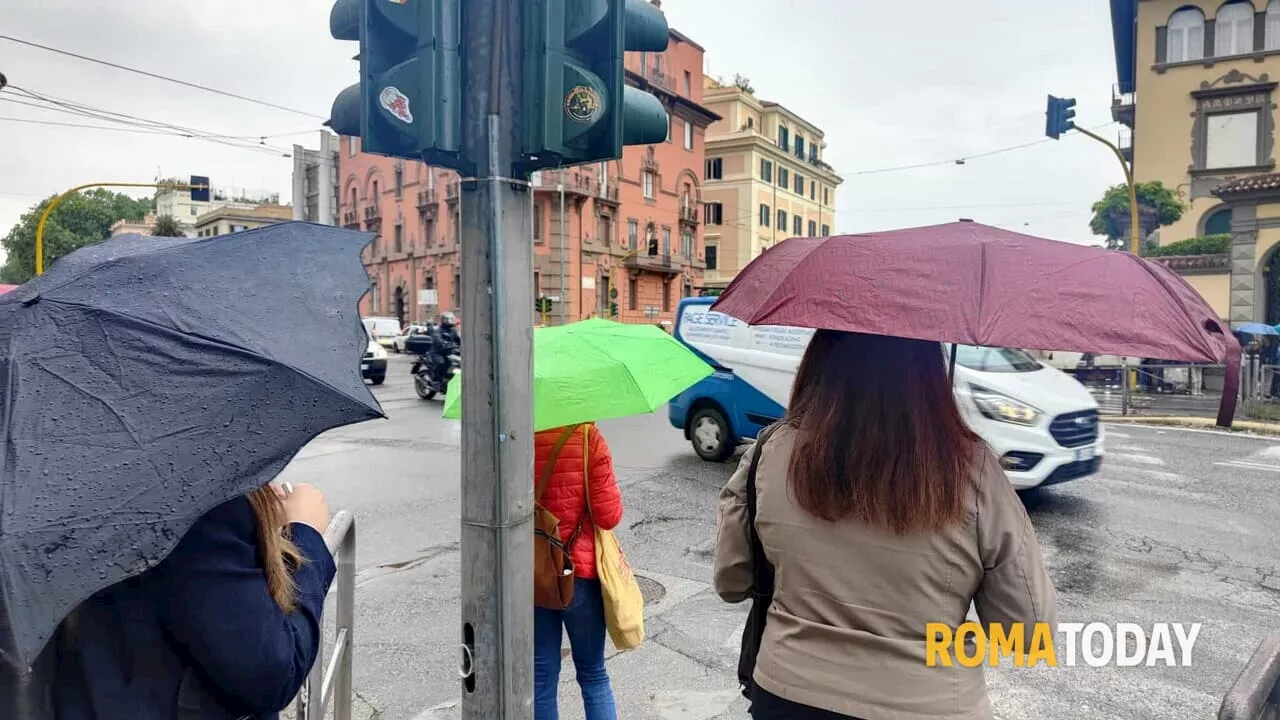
(1180, 527)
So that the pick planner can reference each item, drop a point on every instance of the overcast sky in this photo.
(891, 86)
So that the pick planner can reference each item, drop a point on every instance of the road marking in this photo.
(1246, 465)
(1154, 489)
(1114, 434)
(1136, 458)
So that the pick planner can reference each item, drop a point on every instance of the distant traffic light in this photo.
(408, 101)
(577, 105)
(613, 309)
(1059, 116)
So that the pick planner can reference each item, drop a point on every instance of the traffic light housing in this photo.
(577, 105)
(1059, 116)
(542, 304)
(613, 309)
(408, 102)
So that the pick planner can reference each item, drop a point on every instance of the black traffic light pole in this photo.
(497, 423)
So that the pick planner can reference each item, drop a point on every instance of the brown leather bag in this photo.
(552, 566)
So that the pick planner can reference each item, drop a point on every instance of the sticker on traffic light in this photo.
(583, 104)
(396, 103)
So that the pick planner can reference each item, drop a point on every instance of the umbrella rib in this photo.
(214, 341)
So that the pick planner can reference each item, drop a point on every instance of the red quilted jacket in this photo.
(564, 494)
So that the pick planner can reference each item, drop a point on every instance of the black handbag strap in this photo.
(762, 572)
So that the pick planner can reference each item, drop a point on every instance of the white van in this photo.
(1040, 422)
(383, 330)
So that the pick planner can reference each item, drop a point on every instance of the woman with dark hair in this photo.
(880, 512)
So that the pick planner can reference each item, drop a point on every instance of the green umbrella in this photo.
(599, 369)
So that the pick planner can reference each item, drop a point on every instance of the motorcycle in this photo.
(425, 383)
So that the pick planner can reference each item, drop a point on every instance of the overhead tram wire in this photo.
(157, 76)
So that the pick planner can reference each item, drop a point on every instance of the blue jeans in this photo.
(584, 619)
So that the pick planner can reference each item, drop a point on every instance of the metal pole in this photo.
(48, 210)
(497, 424)
(1134, 231)
(564, 254)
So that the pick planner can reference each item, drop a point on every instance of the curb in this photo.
(1238, 427)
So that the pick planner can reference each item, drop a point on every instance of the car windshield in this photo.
(984, 359)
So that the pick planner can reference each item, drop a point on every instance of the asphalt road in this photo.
(1179, 527)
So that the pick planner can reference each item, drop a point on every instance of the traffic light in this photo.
(408, 102)
(613, 309)
(577, 105)
(542, 304)
(1059, 117)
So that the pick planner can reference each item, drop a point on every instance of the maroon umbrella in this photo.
(973, 284)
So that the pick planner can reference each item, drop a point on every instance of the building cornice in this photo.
(751, 140)
(699, 114)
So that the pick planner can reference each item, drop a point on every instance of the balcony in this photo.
(426, 198)
(577, 182)
(372, 216)
(660, 264)
(350, 220)
(659, 78)
(1124, 141)
(689, 214)
(1123, 106)
(453, 191)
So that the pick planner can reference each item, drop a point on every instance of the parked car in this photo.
(373, 366)
(383, 330)
(400, 341)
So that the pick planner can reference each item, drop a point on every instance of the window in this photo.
(633, 234)
(784, 138)
(196, 211)
(784, 177)
(782, 220)
(1185, 36)
(648, 184)
(714, 169)
(631, 294)
(666, 241)
(604, 229)
(1272, 27)
(713, 214)
(457, 290)
(813, 190)
(666, 297)
(429, 233)
(537, 284)
(826, 196)
(813, 228)
(712, 251)
(796, 225)
(1233, 29)
(813, 153)
(826, 230)
(765, 215)
(537, 222)
(688, 84)
(398, 238)
(351, 147)
(399, 176)
(671, 128)
(1218, 222)
(376, 194)
(799, 185)
(686, 244)
(651, 238)
(800, 146)
(688, 135)
(374, 296)
(1231, 140)
(766, 170)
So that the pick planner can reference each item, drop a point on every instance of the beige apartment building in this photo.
(765, 180)
(1197, 91)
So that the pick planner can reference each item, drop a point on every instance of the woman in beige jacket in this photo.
(880, 512)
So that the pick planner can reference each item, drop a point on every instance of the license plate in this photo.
(364, 366)
(1086, 453)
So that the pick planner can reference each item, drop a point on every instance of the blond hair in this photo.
(277, 552)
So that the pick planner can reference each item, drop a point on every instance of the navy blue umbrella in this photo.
(146, 380)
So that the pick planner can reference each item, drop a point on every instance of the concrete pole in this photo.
(497, 367)
(564, 255)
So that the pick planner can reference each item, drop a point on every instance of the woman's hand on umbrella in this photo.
(306, 504)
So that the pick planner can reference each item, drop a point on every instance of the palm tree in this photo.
(167, 226)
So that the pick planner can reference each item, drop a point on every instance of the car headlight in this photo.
(1002, 408)
(379, 352)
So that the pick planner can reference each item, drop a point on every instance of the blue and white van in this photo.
(1042, 423)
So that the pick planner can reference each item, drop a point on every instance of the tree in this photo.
(743, 83)
(1158, 206)
(80, 219)
(167, 226)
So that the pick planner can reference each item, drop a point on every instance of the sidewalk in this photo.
(1255, 427)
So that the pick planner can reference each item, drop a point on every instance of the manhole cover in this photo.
(651, 590)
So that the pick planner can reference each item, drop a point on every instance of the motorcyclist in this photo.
(444, 340)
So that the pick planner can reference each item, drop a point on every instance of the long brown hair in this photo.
(880, 437)
(278, 553)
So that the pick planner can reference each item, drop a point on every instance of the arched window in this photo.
(1233, 29)
(1218, 222)
(1185, 36)
(1273, 26)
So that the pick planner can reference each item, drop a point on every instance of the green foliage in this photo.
(167, 226)
(1158, 206)
(712, 292)
(1205, 245)
(80, 219)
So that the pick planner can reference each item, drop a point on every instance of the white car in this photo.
(373, 366)
(397, 343)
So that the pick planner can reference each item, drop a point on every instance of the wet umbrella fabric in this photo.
(1256, 329)
(143, 382)
(973, 284)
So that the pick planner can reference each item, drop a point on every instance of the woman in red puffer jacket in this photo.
(565, 496)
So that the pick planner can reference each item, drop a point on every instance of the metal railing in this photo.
(1255, 695)
(331, 681)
